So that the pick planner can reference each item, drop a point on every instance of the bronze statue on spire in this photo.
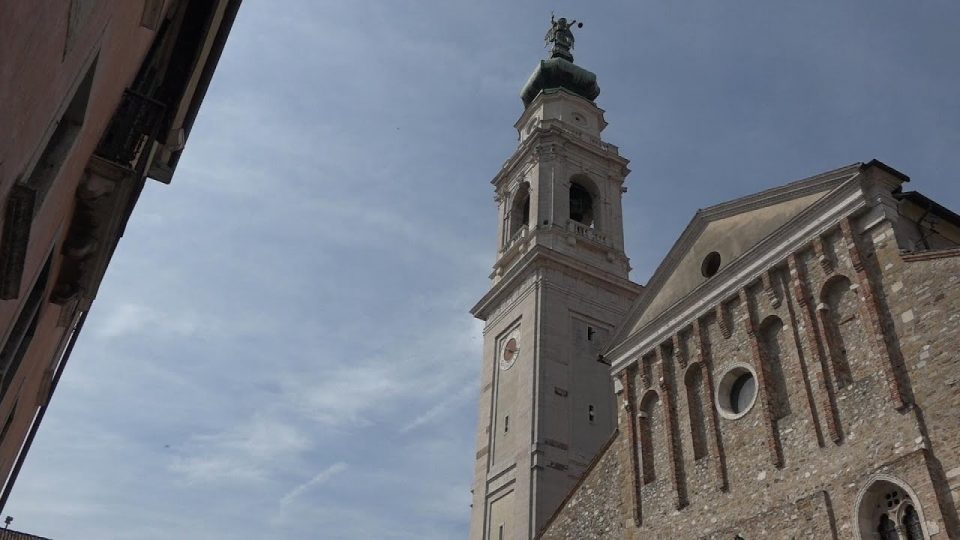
(562, 37)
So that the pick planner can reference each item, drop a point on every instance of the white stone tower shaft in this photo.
(559, 288)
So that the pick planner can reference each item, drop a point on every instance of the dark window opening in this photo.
(590, 333)
(500, 534)
(506, 423)
(581, 204)
(911, 524)
(590, 413)
(711, 264)
(887, 529)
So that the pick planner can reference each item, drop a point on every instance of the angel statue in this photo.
(561, 37)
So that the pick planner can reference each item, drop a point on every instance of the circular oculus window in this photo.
(737, 392)
(710, 265)
(509, 354)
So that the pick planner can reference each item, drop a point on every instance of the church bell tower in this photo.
(559, 288)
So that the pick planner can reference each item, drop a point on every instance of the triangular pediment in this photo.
(729, 230)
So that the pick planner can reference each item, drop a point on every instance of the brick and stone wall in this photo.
(593, 511)
(855, 350)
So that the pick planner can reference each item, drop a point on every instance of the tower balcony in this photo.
(516, 238)
(586, 231)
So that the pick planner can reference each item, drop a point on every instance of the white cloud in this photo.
(248, 452)
(318, 479)
(127, 318)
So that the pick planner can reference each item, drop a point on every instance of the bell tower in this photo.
(559, 288)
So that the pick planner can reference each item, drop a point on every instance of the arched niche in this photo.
(838, 313)
(693, 381)
(648, 425)
(775, 352)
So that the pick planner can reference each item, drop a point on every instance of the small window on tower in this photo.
(506, 423)
(590, 333)
(590, 414)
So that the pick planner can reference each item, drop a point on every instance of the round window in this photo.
(711, 263)
(737, 391)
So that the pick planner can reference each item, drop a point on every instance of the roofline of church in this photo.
(742, 269)
(700, 219)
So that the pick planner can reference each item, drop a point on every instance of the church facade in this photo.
(789, 371)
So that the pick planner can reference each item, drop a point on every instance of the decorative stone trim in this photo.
(820, 251)
(644, 371)
(764, 387)
(730, 373)
(887, 350)
(768, 288)
(673, 443)
(716, 441)
(913, 256)
(827, 401)
(722, 321)
(679, 358)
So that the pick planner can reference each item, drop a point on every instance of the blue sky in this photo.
(281, 347)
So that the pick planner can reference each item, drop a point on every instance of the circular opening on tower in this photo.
(711, 263)
(737, 392)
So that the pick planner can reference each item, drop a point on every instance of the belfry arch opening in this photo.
(520, 209)
(582, 202)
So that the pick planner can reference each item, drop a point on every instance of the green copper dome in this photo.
(560, 73)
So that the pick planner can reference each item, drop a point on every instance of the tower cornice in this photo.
(553, 133)
(540, 257)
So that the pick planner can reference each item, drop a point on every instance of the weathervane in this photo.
(562, 37)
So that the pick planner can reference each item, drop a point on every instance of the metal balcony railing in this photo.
(135, 123)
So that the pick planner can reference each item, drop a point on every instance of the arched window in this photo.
(838, 317)
(581, 204)
(887, 509)
(649, 411)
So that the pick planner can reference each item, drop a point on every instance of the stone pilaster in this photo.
(717, 456)
(673, 431)
(633, 502)
(827, 401)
